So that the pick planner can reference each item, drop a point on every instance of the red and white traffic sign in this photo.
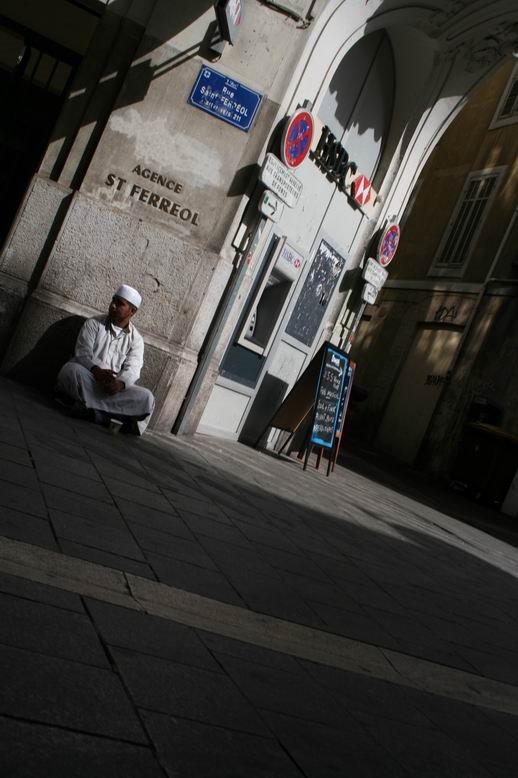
(297, 137)
(361, 190)
(388, 244)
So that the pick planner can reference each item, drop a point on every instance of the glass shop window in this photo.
(271, 297)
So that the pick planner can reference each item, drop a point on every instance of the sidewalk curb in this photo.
(193, 610)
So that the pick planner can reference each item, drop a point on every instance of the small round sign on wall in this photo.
(388, 245)
(296, 138)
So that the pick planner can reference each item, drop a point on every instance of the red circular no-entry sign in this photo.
(388, 245)
(296, 138)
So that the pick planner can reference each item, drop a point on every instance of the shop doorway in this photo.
(411, 405)
(34, 76)
(41, 46)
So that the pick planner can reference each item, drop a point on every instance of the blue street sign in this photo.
(225, 98)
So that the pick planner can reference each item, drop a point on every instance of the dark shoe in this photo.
(64, 400)
(100, 417)
(78, 410)
(130, 427)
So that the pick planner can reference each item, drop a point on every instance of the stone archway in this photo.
(449, 47)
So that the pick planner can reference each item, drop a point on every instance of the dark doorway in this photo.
(35, 75)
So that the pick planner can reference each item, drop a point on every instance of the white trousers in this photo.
(135, 402)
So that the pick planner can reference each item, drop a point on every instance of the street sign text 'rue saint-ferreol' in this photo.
(225, 98)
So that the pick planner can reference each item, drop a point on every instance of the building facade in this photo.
(438, 349)
(122, 164)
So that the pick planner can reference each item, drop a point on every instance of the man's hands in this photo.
(107, 380)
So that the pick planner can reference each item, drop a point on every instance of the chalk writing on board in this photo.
(329, 397)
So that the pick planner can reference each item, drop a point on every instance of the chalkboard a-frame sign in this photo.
(333, 373)
(318, 396)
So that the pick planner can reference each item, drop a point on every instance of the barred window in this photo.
(467, 220)
(510, 106)
(507, 108)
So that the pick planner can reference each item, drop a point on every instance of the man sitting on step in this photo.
(99, 381)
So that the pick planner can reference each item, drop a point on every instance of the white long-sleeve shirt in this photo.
(101, 344)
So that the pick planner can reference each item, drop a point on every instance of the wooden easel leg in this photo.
(319, 458)
(329, 462)
(308, 449)
(305, 444)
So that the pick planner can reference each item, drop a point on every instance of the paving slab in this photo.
(476, 728)
(427, 751)
(19, 525)
(214, 528)
(190, 749)
(50, 595)
(117, 540)
(353, 623)
(263, 594)
(332, 751)
(131, 473)
(81, 505)
(139, 495)
(45, 456)
(154, 519)
(11, 433)
(48, 473)
(152, 635)
(162, 543)
(23, 499)
(51, 443)
(198, 504)
(188, 692)
(238, 558)
(48, 629)
(218, 644)
(23, 475)
(271, 689)
(14, 454)
(199, 580)
(30, 750)
(67, 694)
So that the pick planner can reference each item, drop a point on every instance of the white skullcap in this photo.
(129, 294)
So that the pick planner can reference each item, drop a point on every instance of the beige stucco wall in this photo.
(480, 308)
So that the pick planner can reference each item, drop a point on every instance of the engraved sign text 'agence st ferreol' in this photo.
(140, 190)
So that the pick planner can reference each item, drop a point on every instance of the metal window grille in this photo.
(473, 206)
(44, 71)
(31, 58)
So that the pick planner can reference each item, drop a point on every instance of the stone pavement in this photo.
(191, 607)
